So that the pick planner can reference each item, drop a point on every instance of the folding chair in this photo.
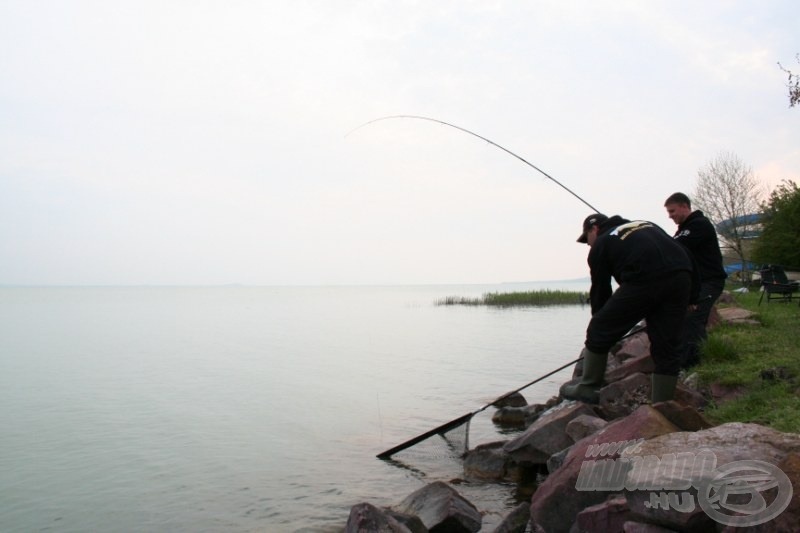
(776, 285)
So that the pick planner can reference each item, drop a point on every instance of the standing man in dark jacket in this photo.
(698, 235)
(655, 277)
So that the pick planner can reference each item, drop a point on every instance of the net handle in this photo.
(467, 417)
(537, 380)
(636, 329)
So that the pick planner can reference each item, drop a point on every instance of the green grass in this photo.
(736, 354)
(512, 299)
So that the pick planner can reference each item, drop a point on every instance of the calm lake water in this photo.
(251, 408)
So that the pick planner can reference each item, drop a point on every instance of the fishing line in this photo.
(380, 418)
(420, 117)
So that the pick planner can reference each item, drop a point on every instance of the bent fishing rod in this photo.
(420, 117)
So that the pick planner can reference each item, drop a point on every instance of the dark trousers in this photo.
(662, 303)
(694, 325)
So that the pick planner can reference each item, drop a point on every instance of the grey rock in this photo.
(515, 399)
(441, 508)
(510, 417)
(365, 517)
(488, 462)
(547, 435)
(584, 425)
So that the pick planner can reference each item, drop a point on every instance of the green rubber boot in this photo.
(594, 369)
(663, 387)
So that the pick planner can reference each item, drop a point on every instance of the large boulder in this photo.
(547, 435)
(695, 480)
(442, 509)
(558, 500)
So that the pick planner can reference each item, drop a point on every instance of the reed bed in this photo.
(515, 299)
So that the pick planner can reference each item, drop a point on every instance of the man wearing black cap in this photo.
(656, 282)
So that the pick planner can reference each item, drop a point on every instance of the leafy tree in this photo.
(780, 239)
(729, 195)
(793, 85)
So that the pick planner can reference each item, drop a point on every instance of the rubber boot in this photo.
(594, 369)
(663, 387)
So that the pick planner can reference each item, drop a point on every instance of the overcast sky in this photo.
(205, 142)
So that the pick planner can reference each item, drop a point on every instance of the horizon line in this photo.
(286, 285)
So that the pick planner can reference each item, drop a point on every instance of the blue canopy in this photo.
(737, 267)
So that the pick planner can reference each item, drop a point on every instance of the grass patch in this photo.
(515, 299)
(720, 349)
(738, 354)
(775, 405)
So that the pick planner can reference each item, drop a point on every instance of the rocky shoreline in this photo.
(622, 465)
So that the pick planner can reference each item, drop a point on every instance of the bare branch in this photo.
(793, 84)
(727, 191)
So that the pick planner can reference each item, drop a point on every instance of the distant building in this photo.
(749, 228)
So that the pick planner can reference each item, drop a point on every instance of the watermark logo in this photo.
(739, 494)
(739, 488)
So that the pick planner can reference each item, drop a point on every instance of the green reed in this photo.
(513, 299)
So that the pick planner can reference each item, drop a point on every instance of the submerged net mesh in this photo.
(454, 433)
(438, 455)
(451, 443)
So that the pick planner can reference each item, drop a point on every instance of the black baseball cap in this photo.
(592, 220)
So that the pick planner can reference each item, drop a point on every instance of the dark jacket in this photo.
(634, 252)
(698, 235)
